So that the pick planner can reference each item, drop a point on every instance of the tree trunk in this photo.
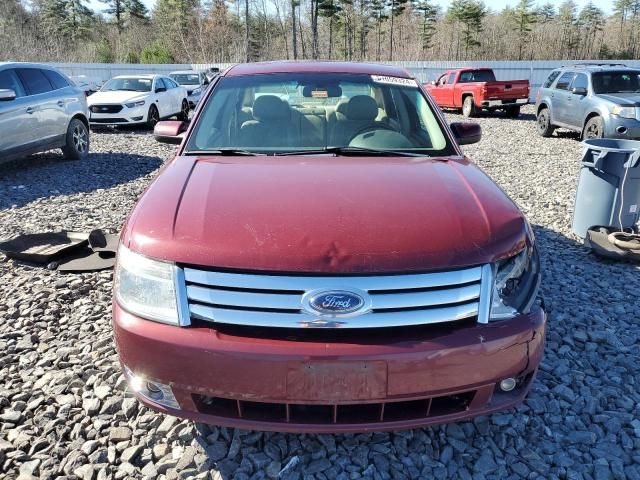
(246, 30)
(293, 30)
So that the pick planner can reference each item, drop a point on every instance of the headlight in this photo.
(139, 103)
(516, 284)
(146, 287)
(197, 91)
(624, 112)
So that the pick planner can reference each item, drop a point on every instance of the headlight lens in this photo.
(139, 103)
(624, 112)
(197, 91)
(516, 284)
(146, 287)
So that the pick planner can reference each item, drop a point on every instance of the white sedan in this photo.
(138, 99)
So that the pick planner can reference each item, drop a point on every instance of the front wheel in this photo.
(512, 112)
(153, 117)
(594, 128)
(543, 123)
(184, 111)
(77, 141)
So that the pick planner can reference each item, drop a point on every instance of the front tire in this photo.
(184, 111)
(594, 128)
(543, 123)
(153, 117)
(77, 141)
(469, 107)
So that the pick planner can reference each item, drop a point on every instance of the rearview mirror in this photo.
(7, 95)
(170, 131)
(161, 89)
(579, 91)
(466, 133)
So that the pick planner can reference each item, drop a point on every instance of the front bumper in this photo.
(127, 116)
(193, 100)
(305, 386)
(618, 127)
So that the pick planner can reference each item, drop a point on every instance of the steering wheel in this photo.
(372, 127)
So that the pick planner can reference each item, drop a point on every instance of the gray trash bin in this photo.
(608, 167)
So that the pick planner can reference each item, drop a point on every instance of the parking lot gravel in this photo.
(65, 411)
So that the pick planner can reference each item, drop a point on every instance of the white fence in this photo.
(534, 71)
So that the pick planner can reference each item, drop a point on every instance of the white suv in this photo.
(41, 109)
(138, 99)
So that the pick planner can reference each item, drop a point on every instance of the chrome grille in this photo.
(395, 300)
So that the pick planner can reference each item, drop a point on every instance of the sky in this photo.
(605, 5)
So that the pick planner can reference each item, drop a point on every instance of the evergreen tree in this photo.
(121, 10)
(428, 13)
(396, 7)
(330, 9)
(470, 13)
(523, 17)
(545, 13)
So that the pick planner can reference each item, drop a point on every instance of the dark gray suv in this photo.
(41, 109)
(597, 100)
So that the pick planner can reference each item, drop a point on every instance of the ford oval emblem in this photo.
(335, 302)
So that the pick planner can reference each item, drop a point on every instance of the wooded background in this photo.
(210, 31)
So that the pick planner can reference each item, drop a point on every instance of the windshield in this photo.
(129, 84)
(616, 82)
(186, 78)
(294, 112)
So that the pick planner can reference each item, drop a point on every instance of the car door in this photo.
(578, 103)
(561, 99)
(163, 99)
(437, 92)
(176, 94)
(65, 97)
(17, 120)
(46, 105)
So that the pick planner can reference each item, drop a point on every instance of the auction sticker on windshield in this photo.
(406, 82)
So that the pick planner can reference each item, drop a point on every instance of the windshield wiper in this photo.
(223, 151)
(346, 150)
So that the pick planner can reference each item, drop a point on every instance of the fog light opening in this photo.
(621, 130)
(155, 391)
(508, 384)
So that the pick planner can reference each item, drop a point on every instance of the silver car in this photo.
(194, 82)
(597, 100)
(41, 109)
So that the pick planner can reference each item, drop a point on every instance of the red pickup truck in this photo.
(474, 89)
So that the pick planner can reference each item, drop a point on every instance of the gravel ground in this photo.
(65, 412)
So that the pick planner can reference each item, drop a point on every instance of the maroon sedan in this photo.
(321, 257)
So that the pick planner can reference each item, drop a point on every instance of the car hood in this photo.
(623, 99)
(325, 214)
(117, 96)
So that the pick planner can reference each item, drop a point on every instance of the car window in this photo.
(477, 76)
(57, 80)
(452, 78)
(551, 78)
(186, 78)
(297, 112)
(580, 81)
(9, 80)
(616, 81)
(160, 83)
(34, 81)
(169, 83)
(564, 81)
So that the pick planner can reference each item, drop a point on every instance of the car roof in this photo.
(316, 67)
(27, 64)
(180, 72)
(598, 67)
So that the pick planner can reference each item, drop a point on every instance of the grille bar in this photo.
(304, 320)
(372, 282)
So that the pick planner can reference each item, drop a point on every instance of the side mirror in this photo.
(161, 89)
(7, 95)
(466, 133)
(579, 91)
(170, 131)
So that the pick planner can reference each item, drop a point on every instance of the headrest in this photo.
(361, 107)
(270, 107)
(341, 106)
